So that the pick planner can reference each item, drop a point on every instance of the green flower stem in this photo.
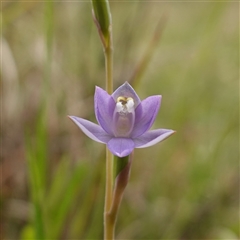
(108, 52)
(120, 185)
(102, 18)
(109, 157)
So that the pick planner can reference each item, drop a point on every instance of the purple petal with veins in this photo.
(92, 130)
(126, 90)
(104, 106)
(145, 115)
(152, 137)
(121, 147)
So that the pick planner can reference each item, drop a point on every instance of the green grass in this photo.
(184, 188)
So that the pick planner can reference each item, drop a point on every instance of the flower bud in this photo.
(102, 16)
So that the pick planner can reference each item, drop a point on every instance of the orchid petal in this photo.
(92, 130)
(126, 90)
(121, 147)
(145, 115)
(152, 137)
(104, 109)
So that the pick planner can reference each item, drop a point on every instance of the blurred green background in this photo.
(52, 175)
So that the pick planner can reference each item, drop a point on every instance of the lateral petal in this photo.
(145, 115)
(121, 147)
(92, 130)
(152, 137)
(104, 106)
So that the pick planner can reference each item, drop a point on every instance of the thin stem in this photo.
(108, 230)
(108, 52)
(109, 181)
(102, 18)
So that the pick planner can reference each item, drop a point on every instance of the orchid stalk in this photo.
(123, 123)
(102, 18)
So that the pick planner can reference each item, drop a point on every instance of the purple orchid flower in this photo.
(124, 120)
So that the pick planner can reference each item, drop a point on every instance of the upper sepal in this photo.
(126, 90)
